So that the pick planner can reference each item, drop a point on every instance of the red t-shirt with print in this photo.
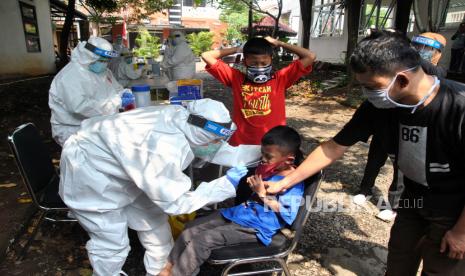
(257, 107)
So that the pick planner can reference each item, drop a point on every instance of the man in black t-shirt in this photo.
(429, 46)
(422, 122)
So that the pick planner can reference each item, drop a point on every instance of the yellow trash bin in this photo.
(178, 222)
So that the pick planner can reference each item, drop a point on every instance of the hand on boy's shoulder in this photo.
(274, 188)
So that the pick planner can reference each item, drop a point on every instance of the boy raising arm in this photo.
(305, 56)
(258, 90)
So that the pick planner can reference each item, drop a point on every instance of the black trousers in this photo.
(416, 235)
(377, 156)
(456, 56)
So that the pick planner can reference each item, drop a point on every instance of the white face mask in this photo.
(380, 97)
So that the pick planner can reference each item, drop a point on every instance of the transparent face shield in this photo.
(426, 47)
(223, 132)
(100, 52)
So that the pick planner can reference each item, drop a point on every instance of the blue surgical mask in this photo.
(380, 97)
(426, 54)
(98, 67)
(259, 74)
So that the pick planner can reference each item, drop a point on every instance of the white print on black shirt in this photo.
(412, 152)
(437, 167)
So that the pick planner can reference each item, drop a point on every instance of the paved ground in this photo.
(339, 238)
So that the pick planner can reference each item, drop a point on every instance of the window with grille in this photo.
(31, 27)
(455, 13)
(328, 18)
(377, 14)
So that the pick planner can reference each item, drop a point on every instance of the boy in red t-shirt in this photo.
(258, 94)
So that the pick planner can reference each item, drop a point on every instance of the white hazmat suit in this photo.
(125, 71)
(118, 47)
(126, 170)
(179, 60)
(76, 93)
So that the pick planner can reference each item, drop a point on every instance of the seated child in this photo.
(257, 219)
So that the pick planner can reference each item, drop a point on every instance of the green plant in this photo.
(200, 42)
(236, 15)
(235, 22)
(147, 44)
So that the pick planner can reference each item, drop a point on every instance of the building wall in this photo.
(293, 8)
(331, 49)
(15, 61)
(215, 26)
(201, 12)
(196, 18)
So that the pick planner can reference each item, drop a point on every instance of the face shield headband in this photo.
(428, 42)
(222, 130)
(100, 52)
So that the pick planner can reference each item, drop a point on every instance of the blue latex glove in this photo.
(235, 174)
(126, 99)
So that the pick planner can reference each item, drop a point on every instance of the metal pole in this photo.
(378, 11)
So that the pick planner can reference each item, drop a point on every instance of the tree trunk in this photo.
(250, 30)
(65, 33)
(353, 9)
(403, 15)
(353, 14)
(306, 15)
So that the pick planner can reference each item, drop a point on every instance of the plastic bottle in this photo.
(142, 95)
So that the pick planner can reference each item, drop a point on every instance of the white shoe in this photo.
(359, 199)
(386, 215)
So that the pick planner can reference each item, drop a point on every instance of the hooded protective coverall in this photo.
(125, 72)
(178, 60)
(119, 48)
(126, 170)
(76, 93)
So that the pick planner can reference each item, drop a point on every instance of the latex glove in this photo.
(127, 98)
(235, 174)
(125, 91)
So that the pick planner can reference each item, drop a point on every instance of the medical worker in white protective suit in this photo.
(126, 72)
(126, 170)
(178, 60)
(119, 48)
(85, 88)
